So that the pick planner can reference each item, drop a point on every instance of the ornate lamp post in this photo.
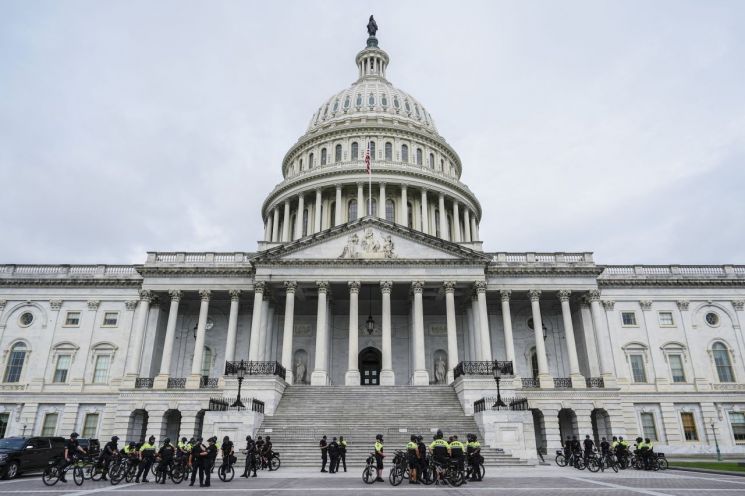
(497, 377)
(241, 374)
(716, 443)
(370, 323)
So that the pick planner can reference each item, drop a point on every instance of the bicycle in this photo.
(607, 460)
(226, 471)
(480, 467)
(370, 472)
(399, 468)
(448, 472)
(662, 461)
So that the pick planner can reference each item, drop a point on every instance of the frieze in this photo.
(371, 245)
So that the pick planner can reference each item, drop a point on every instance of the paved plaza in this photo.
(522, 482)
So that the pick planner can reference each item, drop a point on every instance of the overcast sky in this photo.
(613, 127)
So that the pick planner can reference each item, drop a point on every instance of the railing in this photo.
(255, 368)
(177, 383)
(257, 406)
(562, 382)
(692, 271)
(490, 403)
(530, 383)
(226, 405)
(482, 368)
(595, 382)
(76, 271)
(208, 382)
(144, 383)
(533, 257)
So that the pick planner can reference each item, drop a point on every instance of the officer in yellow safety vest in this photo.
(412, 457)
(440, 453)
(473, 449)
(379, 455)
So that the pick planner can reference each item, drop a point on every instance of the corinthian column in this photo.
(165, 361)
(275, 225)
(381, 202)
(466, 224)
(290, 287)
(320, 376)
(421, 374)
(404, 210)
(138, 336)
(545, 379)
(196, 363)
(361, 205)
(449, 287)
(480, 287)
(352, 376)
(509, 344)
(443, 218)
(235, 296)
(425, 213)
(578, 381)
(299, 216)
(456, 222)
(253, 347)
(601, 331)
(286, 227)
(387, 377)
(317, 212)
(337, 213)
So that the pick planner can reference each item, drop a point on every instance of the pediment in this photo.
(371, 239)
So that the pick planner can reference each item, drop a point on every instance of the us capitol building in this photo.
(352, 290)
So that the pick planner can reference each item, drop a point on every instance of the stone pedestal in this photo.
(472, 388)
(352, 378)
(235, 424)
(319, 378)
(387, 378)
(578, 381)
(511, 431)
(268, 389)
(160, 381)
(546, 381)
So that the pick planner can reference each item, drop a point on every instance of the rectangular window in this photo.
(676, 368)
(90, 425)
(101, 370)
(689, 426)
(637, 368)
(737, 421)
(63, 365)
(110, 319)
(649, 428)
(628, 318)
(72, 319)
(666, 319)
(4, 419)
(49, 426)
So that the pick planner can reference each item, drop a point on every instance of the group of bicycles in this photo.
(453, 471)
(600, 462)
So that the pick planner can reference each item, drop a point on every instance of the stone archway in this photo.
(171, 425)
(137, 426)
(568, 424)
(539, 426)
(601, 427)
(369, 363)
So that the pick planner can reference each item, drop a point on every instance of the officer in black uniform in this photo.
(588, 445)
(107, 453)
(198, 460)
(227, 452)
(71, 448)
(422, 460)
(334, 455)
(323, 445)
(211, 456)
(250, 457)
(260, 451)
(165, 455)
(147, 455)
(342, 453)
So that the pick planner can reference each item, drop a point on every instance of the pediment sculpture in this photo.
(370, 246)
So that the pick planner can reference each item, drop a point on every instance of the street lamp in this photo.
(370, 324)
(498, 377)
(241, 374)
(716, 443)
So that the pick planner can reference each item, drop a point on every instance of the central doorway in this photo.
(370, 362)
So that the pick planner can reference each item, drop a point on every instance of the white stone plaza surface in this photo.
(372, 279)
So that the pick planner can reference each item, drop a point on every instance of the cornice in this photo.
(671, 282)
(192, 270)
(522, 270)
(69, 283)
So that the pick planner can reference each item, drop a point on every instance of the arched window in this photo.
(352, 210)
(305, 222)
(323, 156)
(410, 215)
(337, 154)
(432, 160)
(310, 161)
(722, 361)
(372, 207)
(332, 213)
(390, 210)
(206, 361)
(355, 151)
(388, 151)
(442, 165)
(346, 102)
(404, 153)
(301, 164)
(16, 359)
(372, 150)
(383, 100)
(437, 223)
(419, 156)
(359, 100)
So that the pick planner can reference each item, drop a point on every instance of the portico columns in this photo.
(286, 228)
(381, 201)
(476, 327)
(320, 376)
(480, 287)
(474, 229)
(352, 376)
(404, 210)
(456, 222)
(235, 295)
(299, 216)
(165, 361)
(578, 381)
(425, 213)
(337, 214)
(143, 308)
(196, 363)
(449, 287)
(290, 287)
(317, 212)
(544, 378)
(601, 332)
(275, 225)
(443, 218)
(387, 377)
(361, 206)
(264, 327)
(509, 344)
(253, 347)
(421, 374)
(467, 225)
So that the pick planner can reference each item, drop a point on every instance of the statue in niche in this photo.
(300, 369)
(440, 369)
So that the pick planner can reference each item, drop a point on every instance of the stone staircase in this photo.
(358, 413)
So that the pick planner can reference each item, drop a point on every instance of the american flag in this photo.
(367, 159)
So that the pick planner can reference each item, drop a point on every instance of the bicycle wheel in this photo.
(369, 474)
(579, 464)
(662, 463)
(425, 475)
(482, 471)
(561, 460)
(177, 474)
(96, 473)
(274, 463)
(78, 476)
(593, 465)
(154, 468)
(454, 476)
(116, 474)
(131, 472)
(50, 476)
(396, 476)
(614, 466)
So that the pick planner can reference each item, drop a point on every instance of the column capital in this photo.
(403, 187)
(54, 304)
(534, 294)
(417, 287)
(449, 286)
(608, 304)
(386, 286)
(259, 286)
(505, 294)
(360, 184)
(645, 304)
(93, 304)
(338, 187)
(564, 295)
(130, 304)
(323, 286)
(382, 183)
(354, 286)
(204, 294)
(235, 294)
(593, 295)
(479, 286)
(738, 304)
(176, 294)
(441, 195)
(290, 286)
(146, 295)
(287, 202)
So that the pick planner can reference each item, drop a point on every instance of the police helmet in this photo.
(225, 439)
(248, 438)
(379, 437)
(183, 439)
(114, 438)
(167, 440)
(268, 438)
(151, 438)
(74, 435)
(132, 444)
(192, 440)
(413, 438)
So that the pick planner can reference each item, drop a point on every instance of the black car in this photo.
(28, 454)
(92, 446)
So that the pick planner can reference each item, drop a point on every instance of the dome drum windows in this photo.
(358, 103)
(396, 103)
(419, 156)
(355, 151)
(323, 156)
(352, 210)
(346, 102)
(383, 100)
(371, 100)
(389, 151)
(310, 161)
(404, 153)
(337, 154)
(336, 106)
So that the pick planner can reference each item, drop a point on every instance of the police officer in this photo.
(422, 451)
(198, 460)
(473, 448)
(250, 457)
(412, 457)
(268, 452)
(589, 445)
(227, 452)
(605, 447)
(260, 451)
(147, 457)
(379, 455)
(107, 453)
(323, 446)
(342, 453)
(440, 453)
(334, 456)
(71, 448)
(457, 450)
(165, 458)
(211, 457)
